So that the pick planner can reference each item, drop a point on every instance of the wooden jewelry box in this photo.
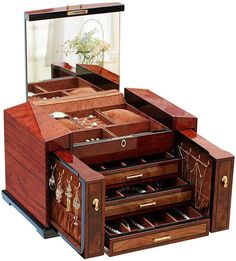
(106, 171)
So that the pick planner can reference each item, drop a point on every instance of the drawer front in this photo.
(125, 147)
(154, 238)
(147, 202)
(143, 173)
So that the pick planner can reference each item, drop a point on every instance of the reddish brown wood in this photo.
(141, 172)
(135, 147)
(92, 187)
(27, 127)
(62, 69)
(160, 109)
(31, 133)
(222, 165)
(26, 169)
(102, 72)
(142, 240)
(139, 203)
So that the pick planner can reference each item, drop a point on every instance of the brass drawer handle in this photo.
(147, 204)
(159, 239)
(96, 204)
(224, 180)
(135, 176)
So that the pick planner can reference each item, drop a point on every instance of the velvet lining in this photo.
(83, 91)
(122, 116)
(69, 124)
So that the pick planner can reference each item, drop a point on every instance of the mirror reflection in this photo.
(64, 43)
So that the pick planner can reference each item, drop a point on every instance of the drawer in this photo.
(142, 172)
(150, 195)
(119, 148)
(154, 229)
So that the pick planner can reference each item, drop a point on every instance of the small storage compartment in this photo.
(141, 197)
(133, 190)
(154, 229)
(138, 169)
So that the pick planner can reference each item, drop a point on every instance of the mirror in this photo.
(61, 47)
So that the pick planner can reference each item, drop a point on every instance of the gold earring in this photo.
(68, 195)
(59, 190)
(52, 180)
(76, 205)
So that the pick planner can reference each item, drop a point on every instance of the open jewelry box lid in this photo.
(72, 41)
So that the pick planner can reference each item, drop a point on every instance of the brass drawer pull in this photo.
(224, 180)
(147, 204)
(96, 204)
(135, 176)
(159, 239)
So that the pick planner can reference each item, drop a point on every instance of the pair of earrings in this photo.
(76, 200)
(59, 192)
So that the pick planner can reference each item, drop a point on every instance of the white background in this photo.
(185, 51)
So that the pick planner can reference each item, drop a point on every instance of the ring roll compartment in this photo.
(141, 197)
(153, 229)
(136, 169)
(145, 188)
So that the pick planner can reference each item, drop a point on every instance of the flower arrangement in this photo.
(89, 48)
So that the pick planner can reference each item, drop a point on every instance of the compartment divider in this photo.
(65, 92)
(113, 135)
(170, 216)
(107, 119)
(150, 188)
(41, 89)
(147, 221)
(119, 193)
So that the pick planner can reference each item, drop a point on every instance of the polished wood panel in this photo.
(135, 146)
(62, 70)
(26, 170)
(103, 78)
(160, 109)
(212, 149)
(37, 122)
(222, 165)
(147, 202)
(222, 195)
(95, 219)
(140, 173)
(102, 72)
(156, 237)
